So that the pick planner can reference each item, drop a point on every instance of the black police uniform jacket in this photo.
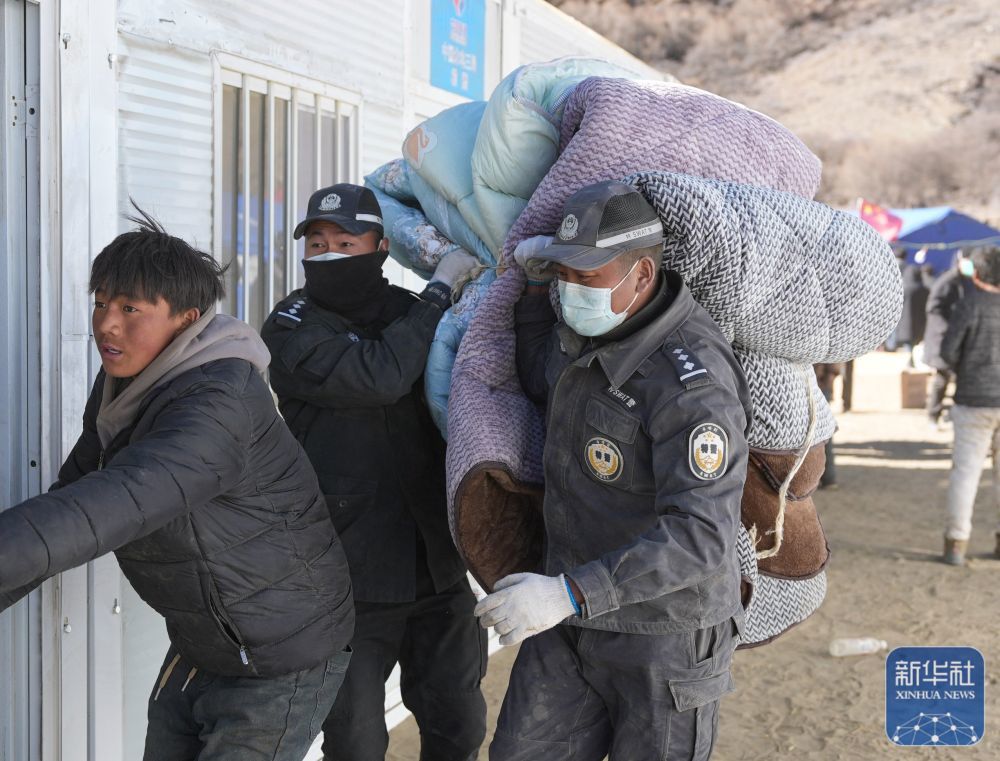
(645, 460)
(352, 393)
(216, 519)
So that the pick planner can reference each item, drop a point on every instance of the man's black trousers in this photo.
(441, 650)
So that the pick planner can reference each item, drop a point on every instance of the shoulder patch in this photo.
(708, 451)
(690, 371)
(291, 315)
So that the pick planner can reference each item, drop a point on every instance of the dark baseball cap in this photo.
(353, 207)
(600, 222)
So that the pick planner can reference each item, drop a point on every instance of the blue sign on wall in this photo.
(458, 43)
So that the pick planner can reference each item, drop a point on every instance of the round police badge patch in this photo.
(330, 202)
(604, 459)
(708, 451)
(570, 226)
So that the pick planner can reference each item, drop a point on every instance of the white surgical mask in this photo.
(329, 256)
(966, 267)
(588, 310)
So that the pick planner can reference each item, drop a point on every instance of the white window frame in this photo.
(322, 97)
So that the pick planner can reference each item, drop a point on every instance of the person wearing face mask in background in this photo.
(628, 629)
(347, 359)
(945, 294)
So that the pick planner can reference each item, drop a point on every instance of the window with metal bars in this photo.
(277, 142)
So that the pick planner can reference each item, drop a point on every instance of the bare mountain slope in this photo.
(901, 100)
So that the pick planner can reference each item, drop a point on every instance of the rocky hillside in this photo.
(901, 100)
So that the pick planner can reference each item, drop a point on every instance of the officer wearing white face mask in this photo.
(628, 629)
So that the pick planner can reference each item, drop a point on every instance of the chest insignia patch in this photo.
(604, 459)
(708, 452)
(353, 336)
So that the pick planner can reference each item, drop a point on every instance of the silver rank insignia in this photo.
(604, 459)
(708, 452)
(690, 371)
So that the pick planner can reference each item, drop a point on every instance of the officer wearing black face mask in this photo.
(347, 359)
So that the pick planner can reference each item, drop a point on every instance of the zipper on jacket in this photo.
(564, 462)
(100, 461)
(229, 630)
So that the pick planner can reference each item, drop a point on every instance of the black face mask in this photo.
(352, 287)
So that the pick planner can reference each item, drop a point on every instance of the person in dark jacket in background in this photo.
(971, 347)
(944, 295)
(913, 320)
(628, 630)
(347, 359)
(186, 471)
(826, 374)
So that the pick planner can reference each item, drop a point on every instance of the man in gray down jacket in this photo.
(347, 361)
(185, 470)
(629, 630)
(971, 347)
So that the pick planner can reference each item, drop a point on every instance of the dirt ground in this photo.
(884, 524)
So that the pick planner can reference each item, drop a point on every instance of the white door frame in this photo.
(81, 633)
(20, 423)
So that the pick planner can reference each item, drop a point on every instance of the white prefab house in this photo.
(220, 118)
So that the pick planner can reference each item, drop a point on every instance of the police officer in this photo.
(347, 358)
(629, 631)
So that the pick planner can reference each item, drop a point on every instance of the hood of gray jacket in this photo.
(210, 338)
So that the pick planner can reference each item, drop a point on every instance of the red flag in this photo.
(884, 221)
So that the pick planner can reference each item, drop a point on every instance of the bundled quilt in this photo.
(521, 136)
(605, 128)
(414, 241)
(790, 282)
(613, 127)
(468, 172)
(465, 176)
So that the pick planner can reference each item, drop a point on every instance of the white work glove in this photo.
(539, 272)
(524, 604)
(454, 267)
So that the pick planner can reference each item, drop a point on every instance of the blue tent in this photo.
(939, 224)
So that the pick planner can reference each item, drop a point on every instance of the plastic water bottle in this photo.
(857, 646)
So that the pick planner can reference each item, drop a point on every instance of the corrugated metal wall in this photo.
(382, 138)
(166, 85)
(20, 419)
(356, 45)
(18, 261)
(165, 136)
(165, 75)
